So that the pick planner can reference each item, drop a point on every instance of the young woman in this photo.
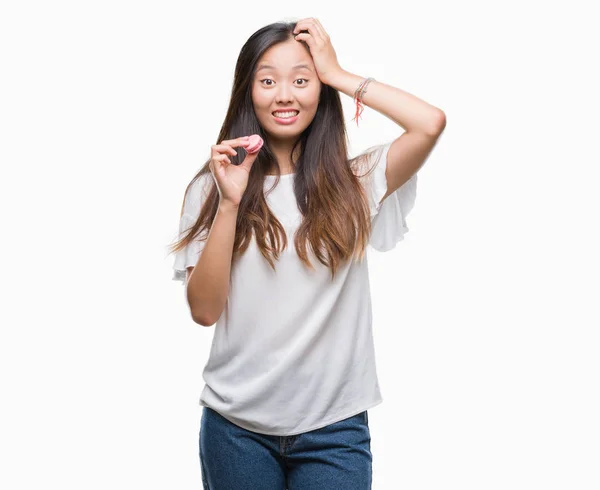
(272, 250)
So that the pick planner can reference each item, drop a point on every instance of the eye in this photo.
(270, 80)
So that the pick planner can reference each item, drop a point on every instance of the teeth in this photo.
(285, 114)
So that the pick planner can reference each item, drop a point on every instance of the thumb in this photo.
(249, 161)
(255, 143)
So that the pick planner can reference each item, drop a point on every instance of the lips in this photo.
(291, 110)
(286, 121)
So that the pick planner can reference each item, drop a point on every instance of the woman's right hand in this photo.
(231, 179)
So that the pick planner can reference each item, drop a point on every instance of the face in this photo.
(284, 86)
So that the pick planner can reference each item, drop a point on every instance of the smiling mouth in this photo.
(289, 114)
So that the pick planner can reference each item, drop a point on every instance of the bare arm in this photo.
(208, 281)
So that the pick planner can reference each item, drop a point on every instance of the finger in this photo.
(228, 148)
(241, 141)
(315, 28)
(302, 25)
(306, 37)
(298, 26)
(320, 29)
(311, 27)
(222, 158)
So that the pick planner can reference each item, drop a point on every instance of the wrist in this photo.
(228, 207)
(332, 78)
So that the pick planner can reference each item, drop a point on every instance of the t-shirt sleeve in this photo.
(388, 219)
(188, 256)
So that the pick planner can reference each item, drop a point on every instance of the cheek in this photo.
(311, 105)
(259, 100)
(312, 98)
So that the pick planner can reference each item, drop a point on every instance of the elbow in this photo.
(199, 314)
(204, 312)
(438, 126)
(202, 319)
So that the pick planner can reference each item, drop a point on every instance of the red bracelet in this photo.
(358, 95)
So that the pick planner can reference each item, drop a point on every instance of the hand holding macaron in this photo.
(255, 143)
(232, 180)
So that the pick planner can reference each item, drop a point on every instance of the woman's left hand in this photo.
(320, 47)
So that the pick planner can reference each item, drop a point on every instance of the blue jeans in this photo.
(337, 456)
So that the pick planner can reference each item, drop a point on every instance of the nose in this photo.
(284, 94)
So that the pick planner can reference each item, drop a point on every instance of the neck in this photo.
(282, 150)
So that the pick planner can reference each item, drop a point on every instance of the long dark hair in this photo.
(336, 218)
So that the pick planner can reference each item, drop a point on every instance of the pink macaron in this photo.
(255, 143)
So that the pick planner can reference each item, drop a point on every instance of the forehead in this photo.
(268, 66)
(285, 57)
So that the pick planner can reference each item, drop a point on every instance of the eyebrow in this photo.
(267, 67)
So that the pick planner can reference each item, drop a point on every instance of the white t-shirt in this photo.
(293, 350)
